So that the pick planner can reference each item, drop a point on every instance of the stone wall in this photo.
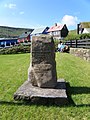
(80, 52)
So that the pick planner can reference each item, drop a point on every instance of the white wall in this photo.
(86, 30)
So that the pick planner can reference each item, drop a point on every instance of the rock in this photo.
(42, 72)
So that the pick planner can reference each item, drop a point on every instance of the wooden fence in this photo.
(84, 43)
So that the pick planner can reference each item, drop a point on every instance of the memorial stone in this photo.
(42, 71)
(42, 80)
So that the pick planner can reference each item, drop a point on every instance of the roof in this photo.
(4, 39)
(24, 35)
(85, 24)
(39, 30)
(55, 28)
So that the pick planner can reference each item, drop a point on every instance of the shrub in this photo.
(77, 37)
(56, 42)
(15, 50)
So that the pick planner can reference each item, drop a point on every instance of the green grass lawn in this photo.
(13, 73)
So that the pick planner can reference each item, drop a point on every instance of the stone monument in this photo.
(42, 71)
(42, 76)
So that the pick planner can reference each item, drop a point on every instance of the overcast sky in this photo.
(40, 13)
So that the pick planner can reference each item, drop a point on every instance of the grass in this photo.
(76, 72)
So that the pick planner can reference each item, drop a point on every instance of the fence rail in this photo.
(84, 43)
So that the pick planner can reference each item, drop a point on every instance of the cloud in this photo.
(21, 13)
(10, 6)
(69, 20)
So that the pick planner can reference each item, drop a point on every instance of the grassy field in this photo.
(76, 72)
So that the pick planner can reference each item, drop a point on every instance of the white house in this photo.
(58, 31)
(83, 27)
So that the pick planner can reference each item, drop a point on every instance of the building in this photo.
(7, 42)
(39, 31)
(25, 37)
(83, 27)
(58, 31)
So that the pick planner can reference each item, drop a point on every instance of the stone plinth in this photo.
(42, 71)
(31, 93)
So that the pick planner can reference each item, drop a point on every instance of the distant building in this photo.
(7, 42)
(40, 31)
(83, 27)
(58, 31)
(25, 37)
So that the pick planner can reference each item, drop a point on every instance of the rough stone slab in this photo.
(29, 92)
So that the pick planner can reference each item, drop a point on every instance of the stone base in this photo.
(28, 92)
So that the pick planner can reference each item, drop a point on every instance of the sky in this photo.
(41, 13)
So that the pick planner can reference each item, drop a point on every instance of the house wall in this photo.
(86, 30)
(56, 34)
(64, 32)
(59, 34)
(8, 42)
(24, 39)
(28, 38)
(20, 40)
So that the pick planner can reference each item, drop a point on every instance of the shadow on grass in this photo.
(74, 91)
(78, 90)
(28, 103)
(70, 91)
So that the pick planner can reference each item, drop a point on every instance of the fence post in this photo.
(70, 43)
(76, 43)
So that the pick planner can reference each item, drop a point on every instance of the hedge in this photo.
(78, 36)
(15, 50)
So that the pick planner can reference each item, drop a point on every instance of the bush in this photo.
(15, 50)
(56, 42)
(77, 37)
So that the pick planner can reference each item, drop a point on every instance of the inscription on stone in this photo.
(42, 71)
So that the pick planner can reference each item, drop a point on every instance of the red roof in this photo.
(55, 28)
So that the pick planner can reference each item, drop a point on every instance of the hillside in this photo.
(85, 24)
(72, 32)
(12, 32)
